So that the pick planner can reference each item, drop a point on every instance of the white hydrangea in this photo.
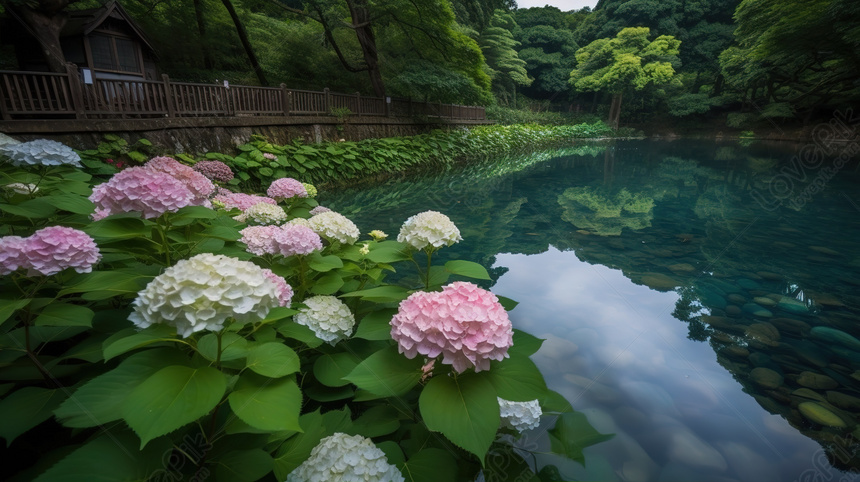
(4, 140)
(263, 214)
(520, 416)
(335, 226)
(41, 152)
(429, 228)
(202, 292)
(328, 317)
(22, 188)
(346, 458)
(301, 222)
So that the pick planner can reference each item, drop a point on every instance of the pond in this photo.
(699, 299)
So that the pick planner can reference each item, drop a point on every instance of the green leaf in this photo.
(172, 397)
(114, 283)
(463, 409)
(278, 313)
(100, 400)
(327, 285)
(507, 303)
(382, 294)
(469, 269)
(554, 402)
(572, 433)
(516, 379)
(25, 408)
(376, 325)
(9, 307)
(524, 344)
(389, 255)
(298, 448)
(273, 360)
(429, 465)
(37, 208)
(267, 404)
(387, 373)
(115, 228)
(322, 264)
(243, 465)
(377, 421)
(233, 346)
(189, 214)
(131, 338)
(71, 203)
(330, 370)
(438, 276)
(302, 333)
(65, 314)
(118, 459)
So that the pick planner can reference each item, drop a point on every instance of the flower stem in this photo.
(427, 274)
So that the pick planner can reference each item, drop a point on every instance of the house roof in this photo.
(83, 22)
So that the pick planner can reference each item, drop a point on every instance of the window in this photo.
(114, 53)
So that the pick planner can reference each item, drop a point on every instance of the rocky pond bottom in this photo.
(699, 300)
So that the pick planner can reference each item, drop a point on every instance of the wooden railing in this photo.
(43, 95)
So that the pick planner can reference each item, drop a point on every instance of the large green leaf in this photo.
(572, 433)
(273, 360)
(298, 448)
(243, 465)
(71, 203)
(117, 228)
(233, 346)
(387, 373)
(321, 263)
(330, 369)
(111, 283)
(266, 403)
(65, 314)
(172, 397)
(463, 409)
(131, 338)
(376, 325)
(327, 284)
(25, 408)
(516, 379)
(382, 294)
(469, 269)
(429, 465)
(302, 333)
(524, 344)
(9, 307)
(377, 421)
(113, 457)
(32, 208)
(389, 255)
(100, 400)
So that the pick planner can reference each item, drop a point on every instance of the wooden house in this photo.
(105, 40)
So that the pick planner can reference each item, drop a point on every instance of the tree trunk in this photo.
(615, 111)
(201, 28)
(45, 26)
(243, 37)
(361, 24)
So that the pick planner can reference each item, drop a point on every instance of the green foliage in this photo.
(249, 401)
(606, 214)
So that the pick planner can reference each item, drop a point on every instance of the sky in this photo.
(563, 5)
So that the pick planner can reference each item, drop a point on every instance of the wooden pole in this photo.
(285, 99)
(75, 90)
(168, 96)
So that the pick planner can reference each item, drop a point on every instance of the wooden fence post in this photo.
(285, 99)
(75, 90)
(327, 103)
(168, 96)
(357, 103)
(4, 113)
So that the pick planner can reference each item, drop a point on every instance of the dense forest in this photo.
(722, 63)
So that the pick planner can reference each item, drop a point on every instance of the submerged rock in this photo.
(808, 394)
(832, 335)
(765, 377)
(816, 381)
(819, 414)
(757, 310)
(764, 301)
(763, 333)
(792, 305)
(659, 281)
(843, 401)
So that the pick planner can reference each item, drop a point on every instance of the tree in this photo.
(497, 43)
(246, 43)
(44, 20)
(627, 62)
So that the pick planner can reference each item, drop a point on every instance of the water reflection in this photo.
(607, 249)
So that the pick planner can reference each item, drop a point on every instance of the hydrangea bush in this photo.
(185, 344)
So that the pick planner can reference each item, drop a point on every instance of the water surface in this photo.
(698, 299)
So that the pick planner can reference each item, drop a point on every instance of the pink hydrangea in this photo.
(12, 256)
(464, 323)
(260, 239)
(199, 185)
(49, 251)
(283, 290)
(319, 209)
(150, 192)
(286, 188)
(240, 200)
(270, 156)
(214, 170)
(293, 239)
